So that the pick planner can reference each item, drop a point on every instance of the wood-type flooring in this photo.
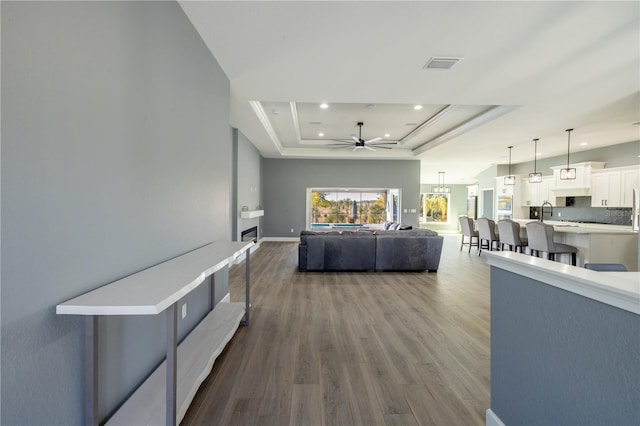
(354, 348)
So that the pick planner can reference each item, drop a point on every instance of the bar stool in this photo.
(466, 226)
(510, 235)
(487, 229)
(540, 237)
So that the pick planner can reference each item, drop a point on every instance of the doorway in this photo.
(486, 202)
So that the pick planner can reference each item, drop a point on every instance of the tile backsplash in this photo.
(579, 210)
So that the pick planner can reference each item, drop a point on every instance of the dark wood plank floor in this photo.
(354, 348)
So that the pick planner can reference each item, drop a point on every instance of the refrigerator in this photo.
(472, 206)
(635, 213)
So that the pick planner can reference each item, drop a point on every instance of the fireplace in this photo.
(250, 234)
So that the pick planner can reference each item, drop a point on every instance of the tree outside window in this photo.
(352, 207)
(434, 208)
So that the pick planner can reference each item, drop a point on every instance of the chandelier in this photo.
(511, 179)
(441, 188)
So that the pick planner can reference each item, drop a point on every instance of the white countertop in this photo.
(153, 290)
(619, 289)
(583, 228)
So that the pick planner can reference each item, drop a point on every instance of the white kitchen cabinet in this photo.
(630, 178)
(579, 186)
(605, 189)
(534, 194)
(614, 187)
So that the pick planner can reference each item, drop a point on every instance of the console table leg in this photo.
(172, 354)
(247, 285)
(91, 370)
(212, 295)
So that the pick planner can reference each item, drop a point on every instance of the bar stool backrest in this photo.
(540, 236)
(487, 229)
(509, 231)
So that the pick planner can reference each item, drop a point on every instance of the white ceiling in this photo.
(529, 70)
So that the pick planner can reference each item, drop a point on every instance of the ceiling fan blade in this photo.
(382, 147)
(369, 148)
(339, 146)
(372, 140)
(355, 138)
(383, 143)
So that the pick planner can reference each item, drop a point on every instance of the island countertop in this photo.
(619, 289)
(596, 243)
(583, 228)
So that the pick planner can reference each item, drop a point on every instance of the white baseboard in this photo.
(493, 420)
(282, 239)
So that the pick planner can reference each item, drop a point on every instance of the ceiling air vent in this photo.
(442, 63)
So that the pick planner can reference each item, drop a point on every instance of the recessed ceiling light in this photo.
(275, 111)
(324, 106)
(315, 123)
(386, 135)
(321, 134)
(411, 124)
(584, 144)
(538, 154)
(371, 106)
(417, 107)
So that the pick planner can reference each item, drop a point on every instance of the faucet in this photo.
(546, 203)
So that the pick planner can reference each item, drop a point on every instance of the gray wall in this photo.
(560, 358)
(457, 207)
(620, 155)
(285, 183)
(116, 153)
(248, 185)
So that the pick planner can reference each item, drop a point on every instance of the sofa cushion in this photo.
(401, 252)
(354, 251)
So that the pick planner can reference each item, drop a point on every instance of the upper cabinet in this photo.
(535, 194)
(614, 187)
(629, 178)
(579, 186)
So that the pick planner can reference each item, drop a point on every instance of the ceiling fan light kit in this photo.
(359, 143)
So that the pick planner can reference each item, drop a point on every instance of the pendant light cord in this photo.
(535, 155)
(568, 145)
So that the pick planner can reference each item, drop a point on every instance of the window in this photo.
(348, 207)
(434, 208)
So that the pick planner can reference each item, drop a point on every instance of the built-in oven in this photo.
(505, 207)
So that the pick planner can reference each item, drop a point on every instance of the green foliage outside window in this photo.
(348, 207)
(434, 207)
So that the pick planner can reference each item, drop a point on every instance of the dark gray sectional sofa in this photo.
(402, 250)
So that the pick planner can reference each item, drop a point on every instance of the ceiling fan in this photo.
(359, 143)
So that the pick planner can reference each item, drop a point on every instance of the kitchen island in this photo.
(596, 243)
(564, 343)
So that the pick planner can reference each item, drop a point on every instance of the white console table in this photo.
(151, 292)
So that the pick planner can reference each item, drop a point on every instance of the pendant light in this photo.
(441, 188)
(511, 179)
(536, 176)
(568, 173)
